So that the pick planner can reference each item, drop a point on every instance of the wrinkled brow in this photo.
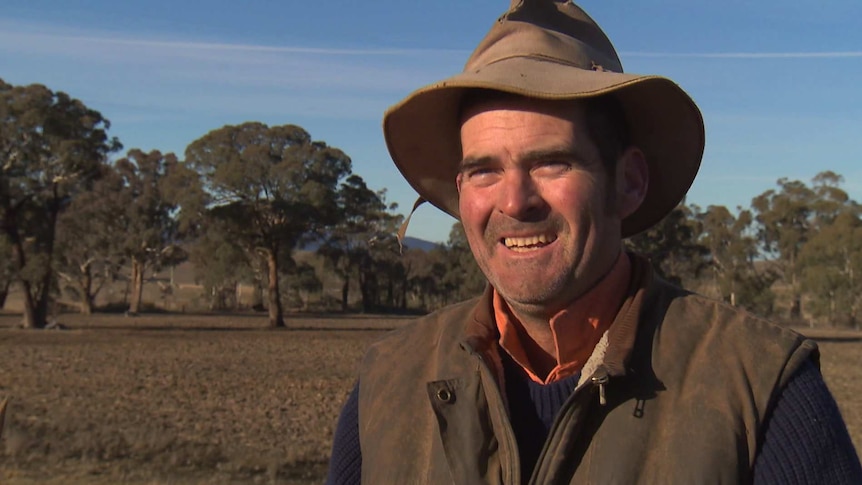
(539, 155)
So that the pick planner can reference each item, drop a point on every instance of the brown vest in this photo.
(680, 397)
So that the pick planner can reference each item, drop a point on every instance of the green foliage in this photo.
(88, 253)
(464, 277)
(784, 223)
(149, 234)
(305, 282)
(220, 264)
(445, 274)
(832, 262)
(247, 196)
(271, 186)
(732, 249)
(672, 245)
(361, 246)
(51, 147)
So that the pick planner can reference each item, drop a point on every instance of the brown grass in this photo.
(170, 399)
(216, 399)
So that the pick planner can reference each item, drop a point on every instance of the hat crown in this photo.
(557, 31)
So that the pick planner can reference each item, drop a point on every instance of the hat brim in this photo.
(423, 131)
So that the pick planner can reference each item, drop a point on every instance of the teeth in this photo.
(526, 243)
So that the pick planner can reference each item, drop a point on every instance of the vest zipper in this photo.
(570, 420)
(600, 379)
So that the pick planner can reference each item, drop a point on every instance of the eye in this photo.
(479, 174)
(479, 171)
(552, 167)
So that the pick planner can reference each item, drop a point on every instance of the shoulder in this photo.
(429, 330)
(433, 333)
(688, 311)
(696, 324)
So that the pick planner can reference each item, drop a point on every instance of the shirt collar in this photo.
(576, 329)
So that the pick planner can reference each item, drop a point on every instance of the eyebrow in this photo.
(473, 162)
(560, 153)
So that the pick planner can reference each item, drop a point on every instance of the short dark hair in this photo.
(608, 128)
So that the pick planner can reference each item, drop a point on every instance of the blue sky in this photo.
(778, 82)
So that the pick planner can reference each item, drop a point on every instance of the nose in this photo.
(520, 198)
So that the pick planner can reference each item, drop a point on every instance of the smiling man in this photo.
(578, 364)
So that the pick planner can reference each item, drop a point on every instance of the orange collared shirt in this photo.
(576, 329)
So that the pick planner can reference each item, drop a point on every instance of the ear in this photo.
(458, 181)
(632, 181)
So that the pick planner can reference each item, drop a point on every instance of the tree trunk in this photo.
(345, 290)
(44, 296)
(4, 292)
(364, 290)
(796, 307)
(276, 316)
(30, 318)
(137, 286)
(85, 306)
(390, 292)
(257, 293)
(86, 288)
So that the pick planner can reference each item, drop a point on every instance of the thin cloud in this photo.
(254, 48)
(257, 66)
(33, 36)
(748, 55)
(40, 34)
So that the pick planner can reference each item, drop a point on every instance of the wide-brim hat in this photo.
(549, 50)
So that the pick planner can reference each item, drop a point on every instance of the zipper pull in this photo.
(601, 379)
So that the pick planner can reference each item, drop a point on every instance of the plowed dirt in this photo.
(177, 399)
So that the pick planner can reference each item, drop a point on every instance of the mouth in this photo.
(529, 243)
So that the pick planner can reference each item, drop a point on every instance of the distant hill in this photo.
(409, 242)
(415, 243)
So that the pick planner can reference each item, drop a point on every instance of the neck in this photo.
(535, 333)
(537, 340)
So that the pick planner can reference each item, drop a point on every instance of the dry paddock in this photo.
(171, 399)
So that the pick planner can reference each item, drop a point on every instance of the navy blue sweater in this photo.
(806, 440)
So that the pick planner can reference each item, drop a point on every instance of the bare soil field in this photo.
(179, 399)
(176, 399)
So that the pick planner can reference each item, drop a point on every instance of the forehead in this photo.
(474, 104)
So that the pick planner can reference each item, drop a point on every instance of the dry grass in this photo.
(170, 399)
(149, 400)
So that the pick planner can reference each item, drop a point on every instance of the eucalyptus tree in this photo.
(220, 265)
(51, 147)
(89, 234)
(672, 245)
(783, 220)
(382, 272)
(733, 252)
(154, 188)
(831, 259)
(345, 245)
(832, 270)
(272, 186)
(464, 278)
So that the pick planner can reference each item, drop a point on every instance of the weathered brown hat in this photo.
(549, 50)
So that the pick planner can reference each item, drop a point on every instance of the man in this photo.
(578, 364)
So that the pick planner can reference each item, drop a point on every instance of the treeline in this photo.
(272, 208)
(794, 255)
(240, 203)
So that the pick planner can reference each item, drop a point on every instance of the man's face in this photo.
(538, 208)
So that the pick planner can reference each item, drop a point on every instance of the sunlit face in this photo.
(534, 201)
